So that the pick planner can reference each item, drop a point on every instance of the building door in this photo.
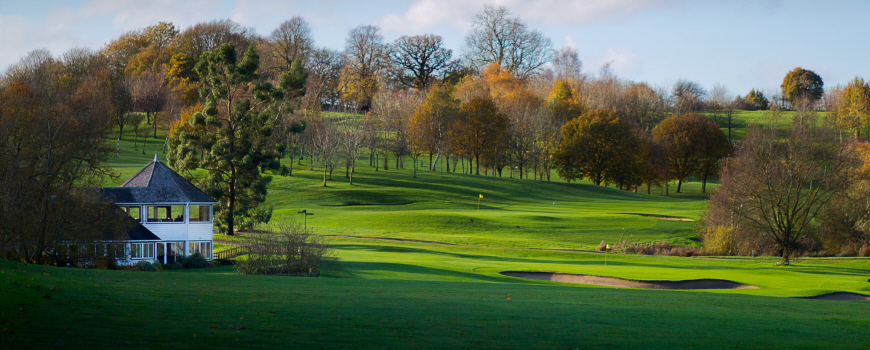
(161, 253)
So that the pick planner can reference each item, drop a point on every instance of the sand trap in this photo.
(660, 217)
(618, 282)
(841, 296)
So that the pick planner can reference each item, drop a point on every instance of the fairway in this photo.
(415, 263)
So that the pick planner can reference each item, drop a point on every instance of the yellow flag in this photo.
(481, 196)
(608, 246)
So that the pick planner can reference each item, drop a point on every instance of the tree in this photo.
(687, 95)
(292, 42)
(232, 138)
(324, 80)
(54, 123)
(681, 136)
(432, 121)
(350, 138)
(562, 103)
(366, 55)
(567, 64)
(757, 100)
(122, 103)
(777, 187)
(853, 109)
(325, 143)
(149, 96)
(498, 38)
(600, 147)
(714, 147)
(482, 127)
(419, 60)
(802, 84)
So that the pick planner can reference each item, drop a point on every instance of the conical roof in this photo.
(157, 183)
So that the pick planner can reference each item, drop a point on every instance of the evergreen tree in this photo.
(229, 137)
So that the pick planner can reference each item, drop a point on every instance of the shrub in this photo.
(601, 246)
(864, 250)
(720, 240)
(158, 266)
(175, 265)
(286, 250)
(145, 266)
(195, 261)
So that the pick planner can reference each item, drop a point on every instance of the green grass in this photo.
(46, 307)
(401, 294)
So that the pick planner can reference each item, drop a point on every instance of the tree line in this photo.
(235, 103)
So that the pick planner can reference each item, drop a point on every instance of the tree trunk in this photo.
(231, 199)
(352, 170)
(679, 185)
(325, 170)
(415, 168)
(477, 164)
(447, 160)
(704, 182)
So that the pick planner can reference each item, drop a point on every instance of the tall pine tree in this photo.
(229, 137)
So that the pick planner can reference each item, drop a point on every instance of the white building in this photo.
(174, 216)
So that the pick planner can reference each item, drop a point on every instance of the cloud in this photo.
(622, 60)
(570, 42)
(423, 15)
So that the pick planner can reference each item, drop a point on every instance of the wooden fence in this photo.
(228, 254)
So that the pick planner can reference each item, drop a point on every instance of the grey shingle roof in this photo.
(157, 183)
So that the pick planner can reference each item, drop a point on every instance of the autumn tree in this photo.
(713, 149)
(496, 37)
(567, 64)
(149, 95)
(481, 128)
(687, 96)
(643, 106)
(757, 100)
(681, 136)
(419, 60)
(563, 105)
(366, 56)
(776, 187)
(432, 122)
(55, 118)
(600, 147)
(291, 42)
(802, 84)
(323, 86)
(350, 140)
(233, 138)
(853, 110)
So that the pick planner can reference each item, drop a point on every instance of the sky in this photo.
(741, 44)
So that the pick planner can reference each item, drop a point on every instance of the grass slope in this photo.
(393, 294)
(45, 307)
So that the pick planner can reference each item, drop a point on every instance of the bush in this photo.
(720, 240)
(175, 265)
(287, 250)
(601, 246)
(145, 266)
(158, 266)
(195, 261)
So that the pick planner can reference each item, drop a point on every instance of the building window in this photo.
(165, 213)
(203, 248)
(142, 251)
(200, 213)
(133, 211)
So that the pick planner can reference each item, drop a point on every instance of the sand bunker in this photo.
(660, 217)
(618, 282)
(841, 296)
